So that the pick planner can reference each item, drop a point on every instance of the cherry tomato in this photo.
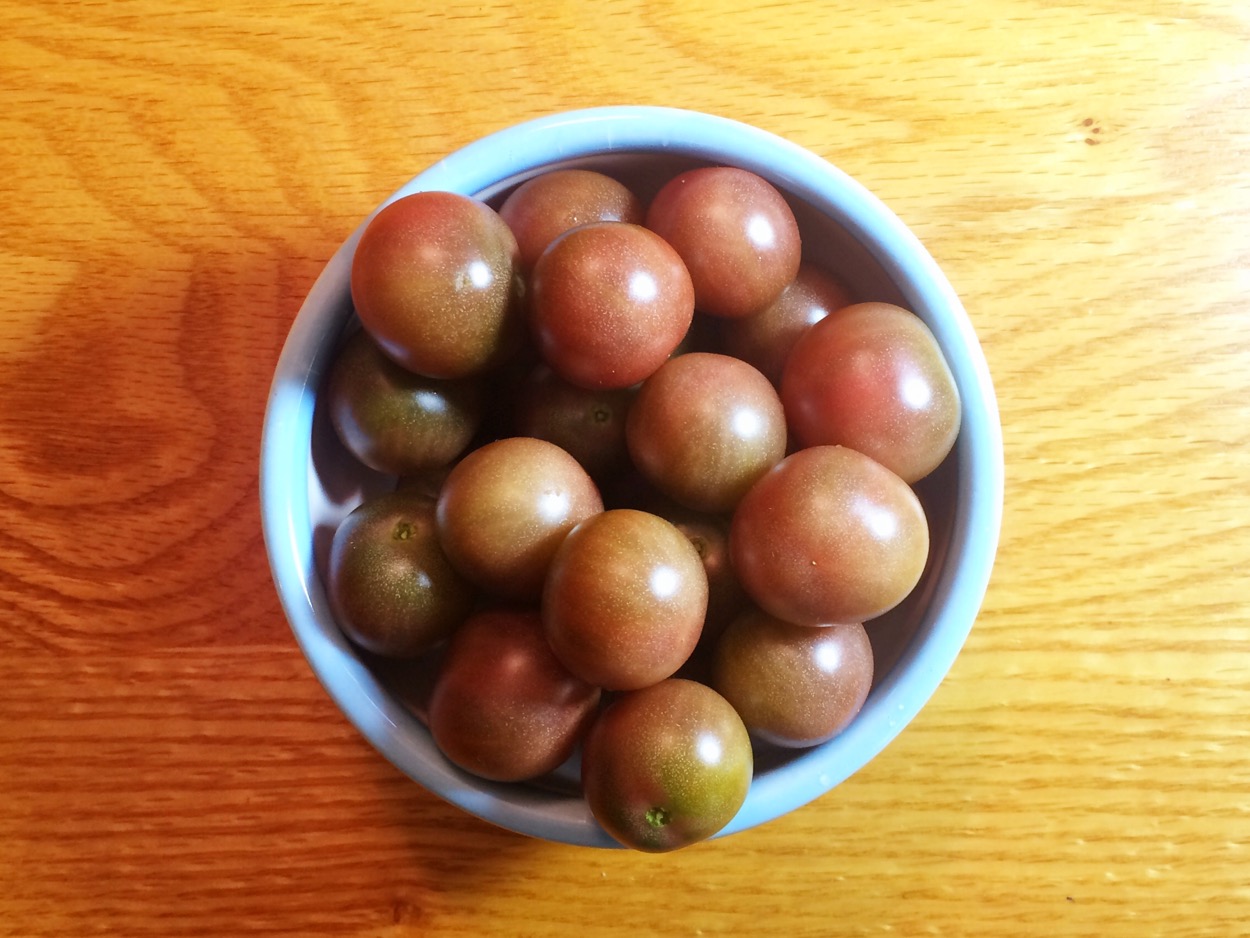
(505, 508)
(435, 281)
(624, 600)
(502, 706)
(666, 766)
(588, 424)
(609, 303)
(793, 685)
(704, 427)
(872, 377)
(710, 536)
(392, 588)
(545, 207)
(829, 535)
(396, 421)
(736, 234)
(766, 338)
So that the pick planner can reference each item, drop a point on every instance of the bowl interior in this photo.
(310, 482)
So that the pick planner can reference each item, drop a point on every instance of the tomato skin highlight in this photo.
(735, 233)
(393, 590)
(394, 420)
(666, 766)
(625, 599)
(502, 706)
(609, 303)
(704, 427)
(872, 377)
(766, 338)
(435, 280)
(793, 685)
(541, 209)
(829, 535)
(505, 508)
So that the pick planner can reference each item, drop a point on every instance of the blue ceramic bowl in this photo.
(308, 484)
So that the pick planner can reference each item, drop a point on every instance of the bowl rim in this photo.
(524, 148)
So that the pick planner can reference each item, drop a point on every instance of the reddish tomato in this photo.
(704, 427)
(765, 339)
(667, 766)
(735, 233)
(545, 207)
(502, 706)
(829, 535)
(435, 281)
(872, 377)
(505, 508)
(392, 588)
(624, 600)
(609, 303)
(793, 685)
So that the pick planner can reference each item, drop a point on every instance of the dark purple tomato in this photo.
(666, 766)
(829, 535)
(725, 597)
(872, 377)
(392, 589)
(609, 303)
(704, 335)
(710, 536)
(624, 600)
(502, 706)
(793, 685)
(765, 339)
(704, 427)
(435, 281)
(586, 423)
(428, 482)
(736, 234)
(396, 421)
(504, 509)
(545, 207)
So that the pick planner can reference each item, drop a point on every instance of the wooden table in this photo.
(175, 175)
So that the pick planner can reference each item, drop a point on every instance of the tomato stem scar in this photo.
(657, 817)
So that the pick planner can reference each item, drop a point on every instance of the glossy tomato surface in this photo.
(829, 535)
(393, 590)
(545, 207)
(435, 280)
(506, 507)
(736, 234)
(394, 420)
(502, 706)
(766, 338)
(793, 685)
(609, 303)
(624, 600)
(872, 377)
(666, 766)
(704, 427)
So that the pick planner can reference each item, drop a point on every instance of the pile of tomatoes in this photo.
(622, 524)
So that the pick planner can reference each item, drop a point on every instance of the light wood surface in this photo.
(175, 175)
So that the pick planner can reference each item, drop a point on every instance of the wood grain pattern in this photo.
(175, 175)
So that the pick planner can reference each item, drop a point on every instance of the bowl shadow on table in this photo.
(450, 857)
